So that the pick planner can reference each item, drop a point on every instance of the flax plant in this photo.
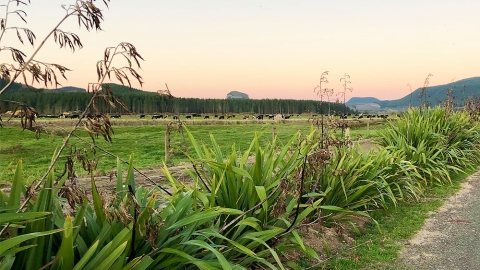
(263, 183)
(435, 140)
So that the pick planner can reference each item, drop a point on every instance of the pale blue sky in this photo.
(275, 49)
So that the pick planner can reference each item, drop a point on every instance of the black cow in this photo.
(157, 116)
(206, 117)
(188, 117)
(260, 117)
(221, 117)
(142, 115)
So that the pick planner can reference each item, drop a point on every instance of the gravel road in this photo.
(450, 238)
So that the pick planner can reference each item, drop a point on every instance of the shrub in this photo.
(435, 140)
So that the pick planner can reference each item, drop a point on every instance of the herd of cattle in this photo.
(266, 116)
(76, 115)
(229, 116)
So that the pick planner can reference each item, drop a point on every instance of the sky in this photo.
(270, 49)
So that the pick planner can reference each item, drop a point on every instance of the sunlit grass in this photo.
(146, 142)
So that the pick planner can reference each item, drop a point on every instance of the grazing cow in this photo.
(142, 115)
(157, 116)
(245, 117)
(188, 117)
(221, 117)
(343, 116)
(260, 117)
(175, 117)
(206, 117)
(287, 117)
(73, 116)
(116, 116)
(270, 116)
(230, 116)
(216, 115)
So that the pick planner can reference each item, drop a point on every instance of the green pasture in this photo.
(145, 139)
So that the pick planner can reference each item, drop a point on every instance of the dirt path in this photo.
(450, 238)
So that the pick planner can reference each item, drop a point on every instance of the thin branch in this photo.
(199, 176)
(299, 201)
(34, 54)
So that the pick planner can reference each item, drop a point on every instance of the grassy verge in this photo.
(379, 250)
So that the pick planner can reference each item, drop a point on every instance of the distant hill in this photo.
(462, 89)
(361, 100)
(116, 88)
(237, 95)
(436, 95)
(66, 89)
(14, 87)
(122, 89)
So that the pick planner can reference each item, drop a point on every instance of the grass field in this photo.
(145, 139)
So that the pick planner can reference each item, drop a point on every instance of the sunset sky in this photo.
(272, 49)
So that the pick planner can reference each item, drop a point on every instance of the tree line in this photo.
(48, 102)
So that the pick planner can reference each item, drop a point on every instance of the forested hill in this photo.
(138, 101)
(435, 95)
(16, 87)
